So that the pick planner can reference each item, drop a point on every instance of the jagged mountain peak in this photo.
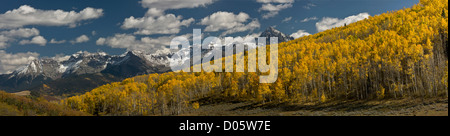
(272, 29)
(272, 32)
(130, 63)
(42, 70)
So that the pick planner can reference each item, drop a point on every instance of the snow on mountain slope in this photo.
(129, 64)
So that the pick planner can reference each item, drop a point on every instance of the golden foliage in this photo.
(14, 105)
(392, 55)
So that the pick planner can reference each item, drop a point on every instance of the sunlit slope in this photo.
(393, 55)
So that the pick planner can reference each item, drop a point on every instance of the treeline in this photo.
(14, 105)
(393, 55)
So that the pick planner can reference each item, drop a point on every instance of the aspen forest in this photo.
(396, 55)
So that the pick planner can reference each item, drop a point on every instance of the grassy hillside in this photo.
(401, 54)
(15, 105)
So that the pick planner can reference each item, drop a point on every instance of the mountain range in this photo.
(272, 32)
(84, 71)
(82, 64)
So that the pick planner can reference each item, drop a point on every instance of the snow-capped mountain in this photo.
(135, 63)
(100, 65)
(77, 64)
(129, 64)
(272, 32)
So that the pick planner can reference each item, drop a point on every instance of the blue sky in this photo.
(114, 26)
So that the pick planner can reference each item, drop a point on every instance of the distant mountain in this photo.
(272, 32)
(83, 71)
(138, 63)
(41, 71)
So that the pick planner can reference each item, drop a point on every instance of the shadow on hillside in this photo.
(347, 106)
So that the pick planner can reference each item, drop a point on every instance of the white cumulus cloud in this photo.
(81, 39)
(156, 21)
(328, 22)
(39, 40)
(300, 33)
(149, 25)
(27, 15)
(229, 22)
(21, 32)
(8, 36)
(131, 42)
(54, 41)
(273, 7)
